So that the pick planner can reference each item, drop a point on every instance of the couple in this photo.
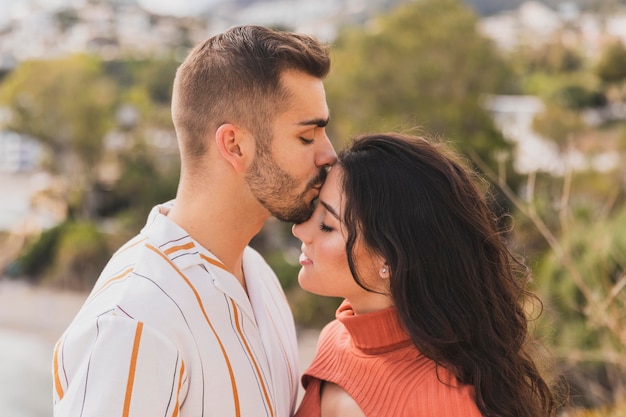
(187, 320)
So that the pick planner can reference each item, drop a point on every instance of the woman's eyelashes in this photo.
(325, 228)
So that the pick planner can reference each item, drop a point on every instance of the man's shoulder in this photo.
(136, 254)
(253, 259)
(252, 254)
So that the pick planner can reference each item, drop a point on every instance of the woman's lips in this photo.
(304, 260)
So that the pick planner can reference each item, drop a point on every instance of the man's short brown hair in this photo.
(234, 77)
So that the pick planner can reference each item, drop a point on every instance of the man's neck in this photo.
(224, 226)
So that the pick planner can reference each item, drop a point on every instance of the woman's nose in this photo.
(299, 231)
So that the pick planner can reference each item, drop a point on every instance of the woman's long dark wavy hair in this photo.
(457, 288)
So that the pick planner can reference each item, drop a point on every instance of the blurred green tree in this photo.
(578, 97)
(130, 199)
(611, 67)
(68, 105)
(560, 125)
(147, 86)
(108, 130)
(422, 65)
(552, 57)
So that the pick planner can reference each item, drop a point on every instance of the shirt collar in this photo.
(173, 241)
(184, 252)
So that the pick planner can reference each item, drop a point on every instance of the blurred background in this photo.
(533, 93)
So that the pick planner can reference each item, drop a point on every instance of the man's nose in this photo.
(326, 155)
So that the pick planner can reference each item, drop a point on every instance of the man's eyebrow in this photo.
(315, 122)
(330, 209)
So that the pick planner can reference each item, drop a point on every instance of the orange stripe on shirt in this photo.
(57, 380)
(173, 249)
(256, 366)
(180, 383)
(111, 280)
(206, 317)
(214, 262)
(131, 370)
(128, 246)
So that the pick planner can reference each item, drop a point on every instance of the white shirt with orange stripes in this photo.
(167, 331)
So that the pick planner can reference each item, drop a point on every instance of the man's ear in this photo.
(231, 144)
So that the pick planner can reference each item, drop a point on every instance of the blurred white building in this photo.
(18, 153)
(535, 24)
(514, 116)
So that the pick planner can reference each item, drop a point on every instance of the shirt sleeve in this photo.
(117, 366)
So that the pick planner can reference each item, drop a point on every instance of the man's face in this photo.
(286, 175)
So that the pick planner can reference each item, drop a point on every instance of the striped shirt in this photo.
(167, 331)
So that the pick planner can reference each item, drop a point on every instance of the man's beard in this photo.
(276, 189)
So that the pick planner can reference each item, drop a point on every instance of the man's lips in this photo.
(315, 189)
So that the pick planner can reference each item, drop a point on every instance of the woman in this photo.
(433, 322)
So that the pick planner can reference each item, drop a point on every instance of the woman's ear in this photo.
(230, 141)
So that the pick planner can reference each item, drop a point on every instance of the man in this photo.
(186, 319)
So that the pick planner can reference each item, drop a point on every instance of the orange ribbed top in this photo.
(372, 357)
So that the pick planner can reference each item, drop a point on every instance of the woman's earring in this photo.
(383, 272)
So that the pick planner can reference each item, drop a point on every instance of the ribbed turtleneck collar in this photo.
(373, 333)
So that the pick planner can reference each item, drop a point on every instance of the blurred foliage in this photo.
(618, 410)
(597, 245)
(422, 65)
(70, 255)
(68, 105)
(147, 86)
(550, 85)
(80, 255)
(39, 253)
(551, 57)
(611, 67)
(560, 124)
(143, 182)
(72, 104)
(577, 97)
(571, 230)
